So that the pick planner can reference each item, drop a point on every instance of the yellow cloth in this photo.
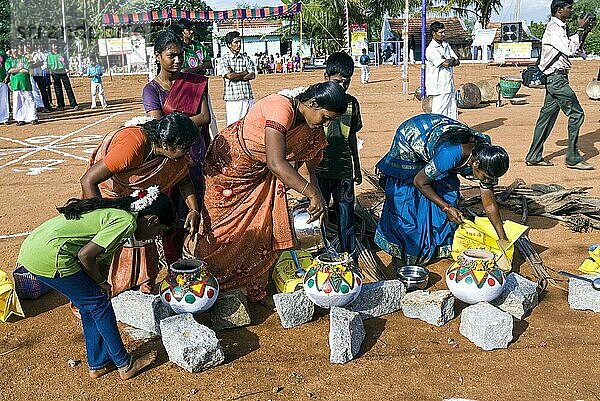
(284, 273)
(480, 234)
(9, 302)
(592, 264)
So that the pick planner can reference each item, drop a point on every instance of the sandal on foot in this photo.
(581, 166)
(541, 163)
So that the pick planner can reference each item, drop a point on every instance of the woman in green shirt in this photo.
(72, 253)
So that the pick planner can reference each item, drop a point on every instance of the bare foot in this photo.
(96, 373)
(136, 365)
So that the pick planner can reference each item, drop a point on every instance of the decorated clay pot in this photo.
(332, 280)
(475, 277)
(189, 287)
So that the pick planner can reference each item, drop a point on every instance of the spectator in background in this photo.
(217, 64)
(364, 62)
(411, 49)
(37, 96)
(237, 71)
(278, 63)
(196, 59)
(41, 76)
(95, 71)
(297, 62)
(57, 64)
(441, 61)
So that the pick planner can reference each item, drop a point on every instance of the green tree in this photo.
(4, 23)
(482, 10)
(324, 20)
(592, 43)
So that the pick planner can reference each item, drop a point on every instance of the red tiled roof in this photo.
(456, 34)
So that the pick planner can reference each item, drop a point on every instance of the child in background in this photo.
(17, 67)
(365, 72)
(340, 167)
(95, 71)
(72, 253)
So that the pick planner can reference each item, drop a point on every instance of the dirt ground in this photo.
(551, 357)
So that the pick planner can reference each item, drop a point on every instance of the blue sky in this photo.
(531, 10)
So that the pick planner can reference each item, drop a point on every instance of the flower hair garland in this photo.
(145, 198)
(292, 92)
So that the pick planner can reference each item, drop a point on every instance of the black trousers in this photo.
(59, 81)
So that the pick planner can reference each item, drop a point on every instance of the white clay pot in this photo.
(332, 281)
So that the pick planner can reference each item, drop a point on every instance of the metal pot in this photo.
(413, 277)
(307, 236)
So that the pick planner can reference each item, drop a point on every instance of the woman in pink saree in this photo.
(245, 223)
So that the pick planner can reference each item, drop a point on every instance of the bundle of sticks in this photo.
(571, 206)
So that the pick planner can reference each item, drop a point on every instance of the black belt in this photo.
(561, 72)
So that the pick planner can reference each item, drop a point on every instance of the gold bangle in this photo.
(304, 189)
(194, 211)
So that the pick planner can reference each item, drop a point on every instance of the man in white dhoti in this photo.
(439, 80)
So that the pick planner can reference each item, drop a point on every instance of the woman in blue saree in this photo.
(422, 186)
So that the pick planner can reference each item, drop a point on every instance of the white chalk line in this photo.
(14, 235)
(49, 146)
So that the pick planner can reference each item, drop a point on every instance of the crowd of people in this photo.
(227, 194)
(33, 73)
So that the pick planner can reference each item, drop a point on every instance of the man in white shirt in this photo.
(439, 80)
(557, 46)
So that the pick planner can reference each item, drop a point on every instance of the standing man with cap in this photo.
(557, 46)
(439, 84)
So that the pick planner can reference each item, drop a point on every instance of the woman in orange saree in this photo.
(245, 222)
(172, 90)
(138, 157)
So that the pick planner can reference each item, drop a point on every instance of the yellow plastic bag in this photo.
(284, 273)
(481, 234)
(592, 264)
(9, 302)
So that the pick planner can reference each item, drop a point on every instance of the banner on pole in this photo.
(510, 52)
(358, 39)
(114, 46)
(484, 37)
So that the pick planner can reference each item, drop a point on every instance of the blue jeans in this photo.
(103, 342)
(342, 191)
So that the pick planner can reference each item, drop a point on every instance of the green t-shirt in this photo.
(53, 246)
(20, 81)
(3, 58)
(56, 62)
(337, 156)
(194, 55)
